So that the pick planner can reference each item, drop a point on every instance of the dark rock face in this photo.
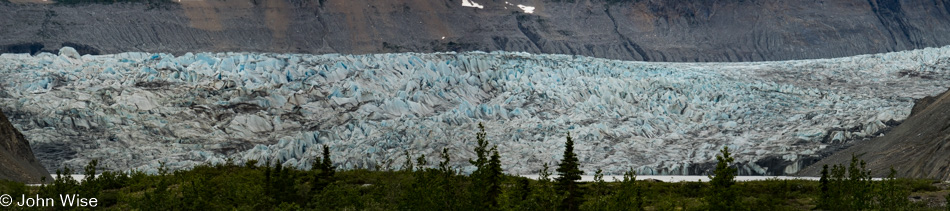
(17, 162)
(917, 148)
(729, 30)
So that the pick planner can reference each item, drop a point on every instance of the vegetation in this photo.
(270, 186)
(855, 186)
(569, 173)
(722, 195)
(486, 179)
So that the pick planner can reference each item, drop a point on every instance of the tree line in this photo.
(421, 186)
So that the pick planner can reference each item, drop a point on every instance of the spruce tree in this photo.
(444, 165)
(890, 196)
(486, 180)
(837, 188)
(824, 198)
(597, 195)
(494, 179)
(481, 148)
(722, 196)
(859, 182)
(568, 174)
(327, 165)
(421, 163)
(408, 166)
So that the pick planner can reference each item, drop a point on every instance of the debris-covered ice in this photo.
(134, 110)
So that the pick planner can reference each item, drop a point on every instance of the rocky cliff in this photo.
(917, 148)
(728, 30)
(17, 162)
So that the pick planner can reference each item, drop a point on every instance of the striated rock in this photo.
(917, 148)
(683, 31)
(17, 162)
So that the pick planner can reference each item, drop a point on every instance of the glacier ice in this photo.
(134, 110)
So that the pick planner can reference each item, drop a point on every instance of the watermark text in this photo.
(64, 200)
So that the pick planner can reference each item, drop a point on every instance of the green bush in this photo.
(544, 196)
(15, 189)
(852, 188)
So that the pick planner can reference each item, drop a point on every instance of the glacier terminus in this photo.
(134, 110)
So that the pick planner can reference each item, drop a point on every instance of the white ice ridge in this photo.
(134, 110)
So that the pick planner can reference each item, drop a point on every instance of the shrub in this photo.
(543, 196)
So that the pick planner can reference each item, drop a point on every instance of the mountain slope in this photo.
(690, 31)
(918, 148)
(17, 162)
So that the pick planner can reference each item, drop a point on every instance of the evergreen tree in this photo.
(890, 197)
(837, 187)
(326, 165)
(481, 148)
(421, 163)
(722, 196)
(486, 180)
(824, 199)
(597, 196)
(449, 183)
(268, 187)
(444, 165)
(494, 178)
(91, 186)
(568, 174)
(408, 166)
(517, 196)
(859, 184)
(282, 183)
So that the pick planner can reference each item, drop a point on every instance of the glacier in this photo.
(136, 110)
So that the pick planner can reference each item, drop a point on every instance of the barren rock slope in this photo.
(17, 162)
(646, 30)
(918, 148)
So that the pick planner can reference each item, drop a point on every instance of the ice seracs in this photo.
(134, 110)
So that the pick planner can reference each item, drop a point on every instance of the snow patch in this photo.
(526, 9)
(470, 3)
